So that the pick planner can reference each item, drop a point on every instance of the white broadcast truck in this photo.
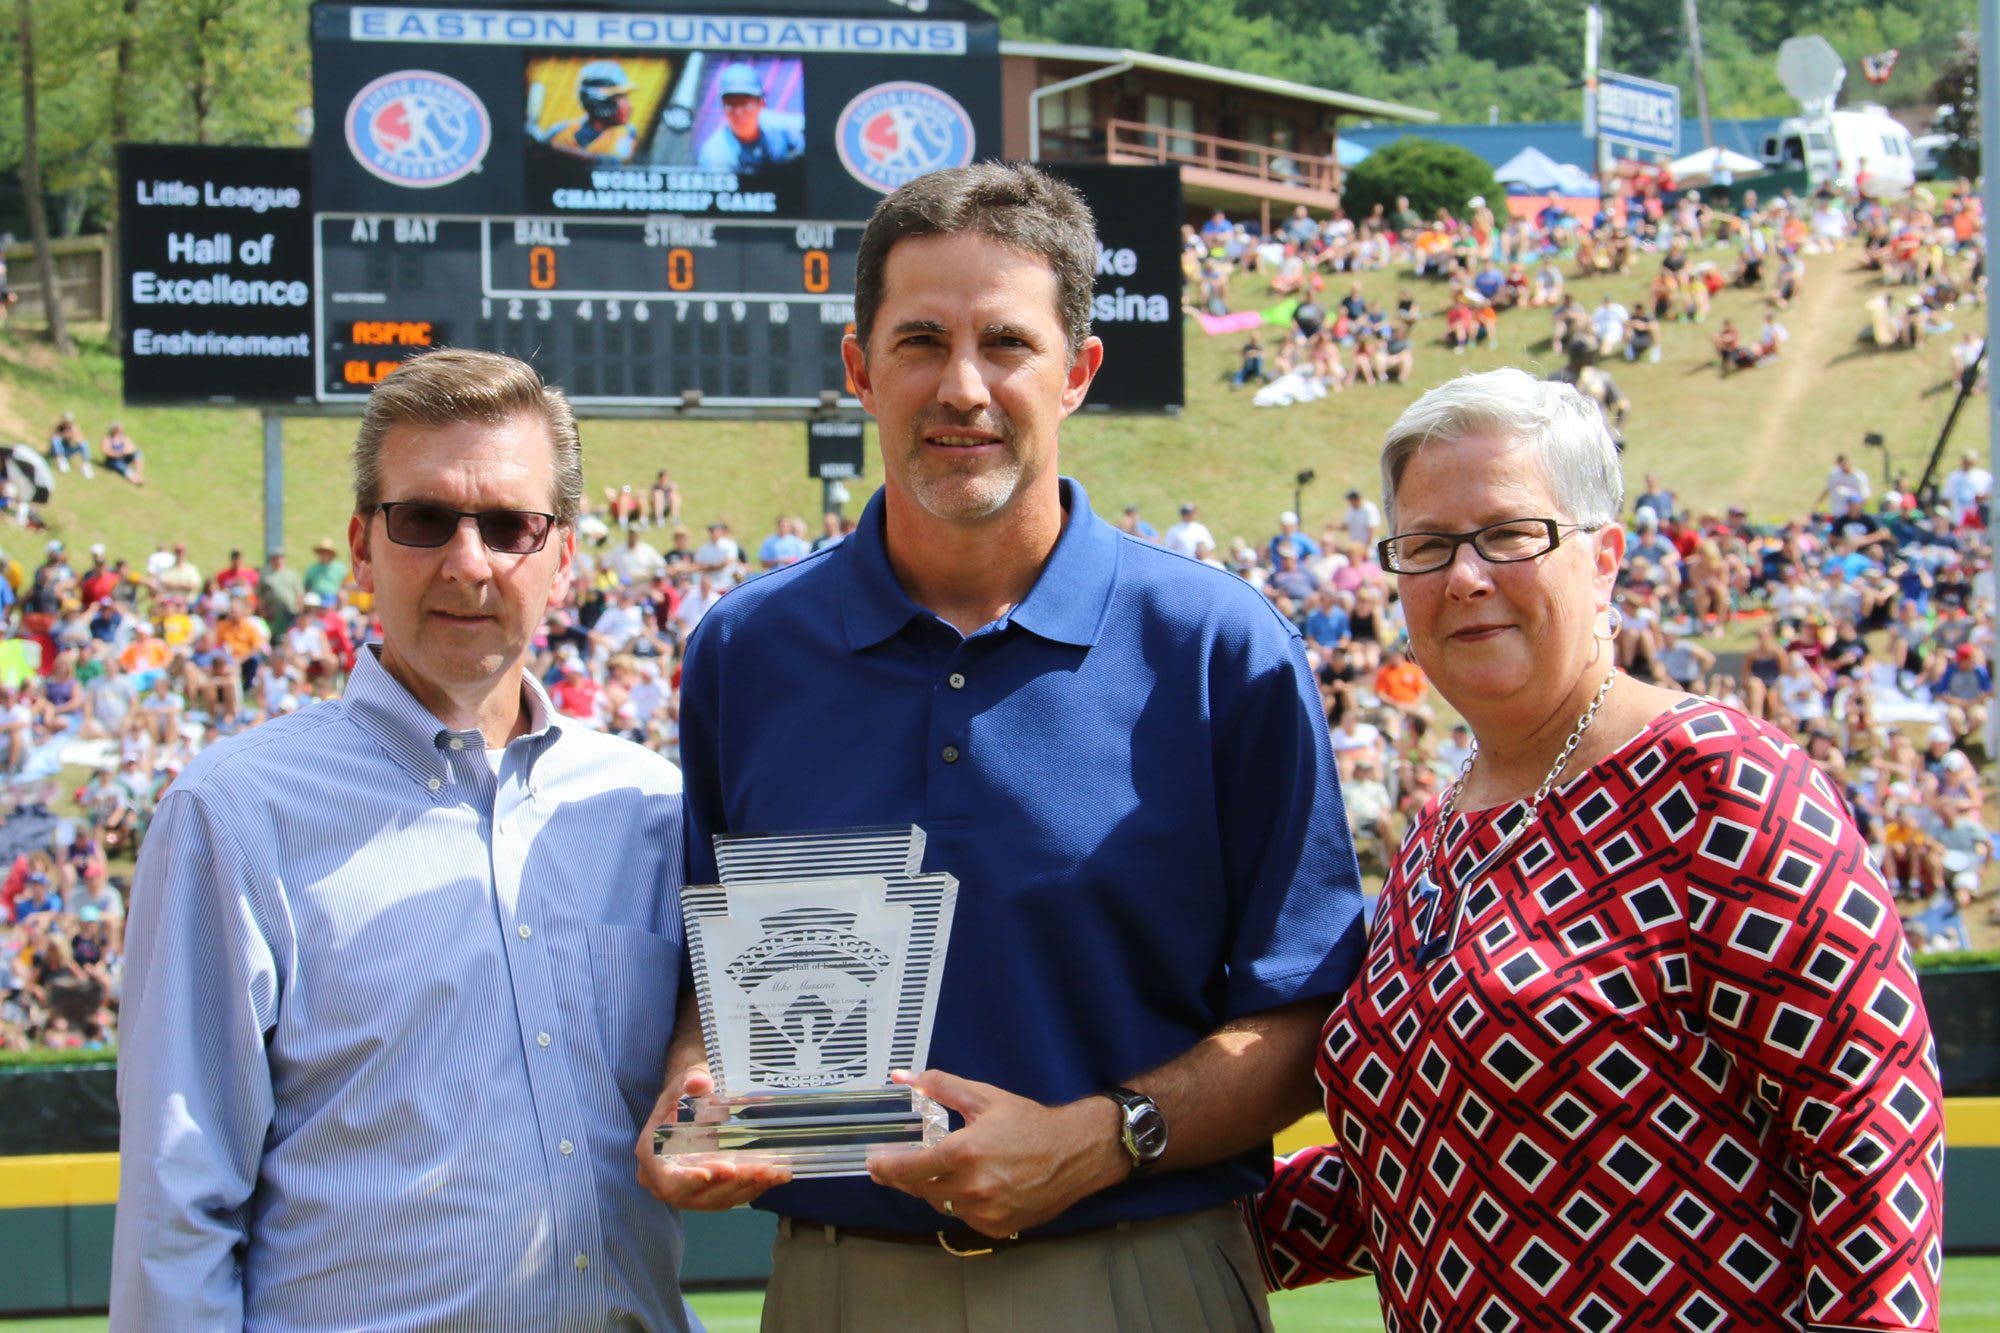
(1840, 145)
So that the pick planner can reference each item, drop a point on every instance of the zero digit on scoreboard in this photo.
(542, 267)
(680, 269)
(818, 272)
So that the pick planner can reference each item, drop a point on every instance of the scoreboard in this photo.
(621, 312)
(657, 203)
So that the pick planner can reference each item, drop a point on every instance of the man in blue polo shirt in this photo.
(1121, 755)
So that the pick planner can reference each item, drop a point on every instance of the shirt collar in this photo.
(410, 732)
(1067, 603)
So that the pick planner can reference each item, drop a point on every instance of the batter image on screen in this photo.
(699, 132)
(597, 109)
(750, 118)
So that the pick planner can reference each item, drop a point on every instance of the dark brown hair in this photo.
(1012, 203)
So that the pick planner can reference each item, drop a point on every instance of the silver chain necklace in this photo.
(1431, 880)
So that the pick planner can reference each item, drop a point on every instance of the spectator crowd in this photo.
(1869, 622)
(1678, 249)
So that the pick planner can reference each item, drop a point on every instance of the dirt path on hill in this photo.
(1817, 332)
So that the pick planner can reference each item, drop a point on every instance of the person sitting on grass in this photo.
(1729, 347)
(66, 441)
(1326, 364)
(1572, 322)
(1253, 362)
(1461, 324)
(1739, 355)
(1289, 278)
(1791, 272)
(1660, 294)
(1369, 808)
(122, 456)
(1548, 287)
(1698, 288)
(1771, 338)
(1609, 323)
(1642, 335)
(1396, 356)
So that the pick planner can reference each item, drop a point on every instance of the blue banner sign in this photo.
(1639, 113)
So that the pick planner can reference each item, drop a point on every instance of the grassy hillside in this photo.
(1763, 439)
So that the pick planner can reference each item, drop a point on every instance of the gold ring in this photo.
(948, 1209)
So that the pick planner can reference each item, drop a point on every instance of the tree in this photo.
(1433, 175)
(1957, 93)
(1641, 36)
(163, 71)
(1462, 88)
(1412, 34)
(31, 184)
(1522, 32)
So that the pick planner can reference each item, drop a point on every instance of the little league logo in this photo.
(895, 132)
(809, 981)
(418, 129)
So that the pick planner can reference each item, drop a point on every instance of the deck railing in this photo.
(1134, 141)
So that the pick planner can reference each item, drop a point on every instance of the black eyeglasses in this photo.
(1502, 543)
(505, 531)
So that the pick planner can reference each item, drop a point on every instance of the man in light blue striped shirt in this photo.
(402, 968)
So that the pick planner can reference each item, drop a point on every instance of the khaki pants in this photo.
(1195, 1272)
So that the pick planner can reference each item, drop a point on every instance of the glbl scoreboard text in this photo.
(619, 312)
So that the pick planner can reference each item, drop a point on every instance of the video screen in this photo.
(700, 133)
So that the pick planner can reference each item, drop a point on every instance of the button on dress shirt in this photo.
(381, 987)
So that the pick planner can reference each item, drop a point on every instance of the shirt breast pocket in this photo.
(635, 975)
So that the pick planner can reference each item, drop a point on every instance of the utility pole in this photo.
(1593, 26)
(1700, 75)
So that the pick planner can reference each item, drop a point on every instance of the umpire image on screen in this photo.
(747, 141)
(1118, 751)
(399, 965)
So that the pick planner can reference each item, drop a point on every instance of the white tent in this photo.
(1711, 162)
(1531, 171)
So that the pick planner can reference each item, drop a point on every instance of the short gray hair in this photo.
(445, 387)
(1565, 430)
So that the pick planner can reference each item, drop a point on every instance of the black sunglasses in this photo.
(505, 531)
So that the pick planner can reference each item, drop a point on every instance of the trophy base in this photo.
(822, 1132)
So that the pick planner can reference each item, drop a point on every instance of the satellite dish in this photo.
(1812, 71)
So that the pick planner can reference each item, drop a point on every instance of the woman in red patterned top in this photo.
(1637, 1042)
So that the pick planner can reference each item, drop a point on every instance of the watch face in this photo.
(1146, 1131)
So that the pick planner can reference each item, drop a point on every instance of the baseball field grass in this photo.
(1971, 1305)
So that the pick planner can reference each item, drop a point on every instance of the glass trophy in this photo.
(817, 961)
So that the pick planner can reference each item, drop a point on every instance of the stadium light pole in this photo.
(1989, 135)
(274, 482)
